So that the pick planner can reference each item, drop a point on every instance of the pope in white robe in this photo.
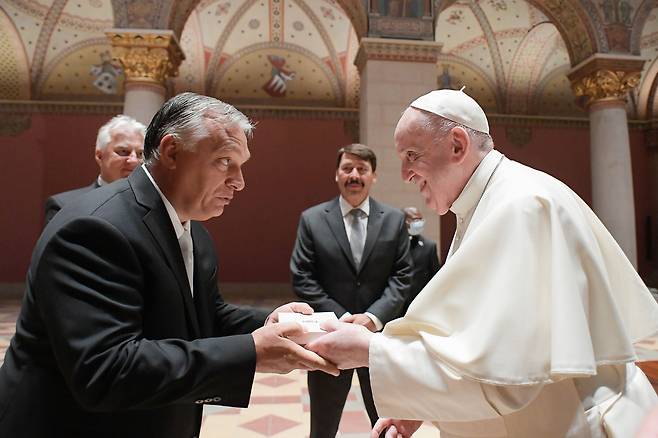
(528, 329)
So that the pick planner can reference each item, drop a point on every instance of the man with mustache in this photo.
(352, 258)
(119, 149)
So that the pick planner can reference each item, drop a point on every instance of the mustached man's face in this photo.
(354, 177)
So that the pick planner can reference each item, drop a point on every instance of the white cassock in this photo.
(527, 331)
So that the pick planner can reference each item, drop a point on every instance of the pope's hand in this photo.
(288, 308)
(277, 354)
(346, 345)
(395, 428)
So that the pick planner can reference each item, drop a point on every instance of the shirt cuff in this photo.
(344, 315)
(375, 320)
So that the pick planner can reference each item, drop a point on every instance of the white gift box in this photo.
(311, 324)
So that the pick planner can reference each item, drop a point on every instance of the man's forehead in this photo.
(349, 158)
(125, 134)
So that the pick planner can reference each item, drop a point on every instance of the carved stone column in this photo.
(148, 57)
(601, 84)
(393, 73)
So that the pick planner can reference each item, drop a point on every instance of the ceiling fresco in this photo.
(512, 55)
(509, 54)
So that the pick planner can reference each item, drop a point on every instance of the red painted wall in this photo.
(292, 168)
(54, 155)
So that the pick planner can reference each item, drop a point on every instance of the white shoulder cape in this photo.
(538, 291)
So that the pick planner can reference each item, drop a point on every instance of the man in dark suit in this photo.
(122, 331)
(423, 253)
(352, 258)
(119, 150)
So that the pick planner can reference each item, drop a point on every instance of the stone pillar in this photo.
(602, 82)
(148, 57)
(393, 73)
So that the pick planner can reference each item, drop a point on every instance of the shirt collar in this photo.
(100, 181)
(179, 228)
(345, 206)
(475, 186)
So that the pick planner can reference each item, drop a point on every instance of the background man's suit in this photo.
(100, 347)
(426, 264)
(57, 201)
(324, 275)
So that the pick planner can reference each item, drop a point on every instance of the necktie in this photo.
(185, 242)
(357, 235)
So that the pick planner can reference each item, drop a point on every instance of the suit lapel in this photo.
(159, 224)
(375, 221)
(335, 221)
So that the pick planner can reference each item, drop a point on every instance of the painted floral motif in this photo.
(327, 13)
(222, 8)
(455, 17)
(498, 5)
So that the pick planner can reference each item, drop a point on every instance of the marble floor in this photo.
(279, 405)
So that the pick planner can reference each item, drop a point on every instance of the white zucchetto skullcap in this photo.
(454, 105)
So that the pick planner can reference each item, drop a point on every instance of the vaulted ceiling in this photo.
(513, 55)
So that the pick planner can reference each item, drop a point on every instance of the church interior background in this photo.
(569, 86)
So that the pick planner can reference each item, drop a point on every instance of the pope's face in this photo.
(207, 176)
(426, 161)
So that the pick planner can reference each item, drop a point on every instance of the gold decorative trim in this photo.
(384, 49)
(47, 106)
(146, 55)
(273, 112)
(603, 77)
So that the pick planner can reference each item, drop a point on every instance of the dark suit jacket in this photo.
(109, 341)
(57, 201)
(323, 270)
(426, 264)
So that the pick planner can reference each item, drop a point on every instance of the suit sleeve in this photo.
(233, 320)
(90, 289)
(389, 305)
(435, 264)
(303, 267)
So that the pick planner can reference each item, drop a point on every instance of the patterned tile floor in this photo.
(279, 405)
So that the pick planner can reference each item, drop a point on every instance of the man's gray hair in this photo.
(440, 126)
(183, 116)
(116, 123)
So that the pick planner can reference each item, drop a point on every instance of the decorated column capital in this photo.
(604, 78)
(385, 49)
(147, 56)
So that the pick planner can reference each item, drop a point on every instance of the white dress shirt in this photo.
(183, 233)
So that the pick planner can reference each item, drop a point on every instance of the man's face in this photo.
(121, 155)
(206, 177)
(354, 177)
(426, 161)
(412, 215)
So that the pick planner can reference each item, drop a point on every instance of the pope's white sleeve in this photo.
(409, 383)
